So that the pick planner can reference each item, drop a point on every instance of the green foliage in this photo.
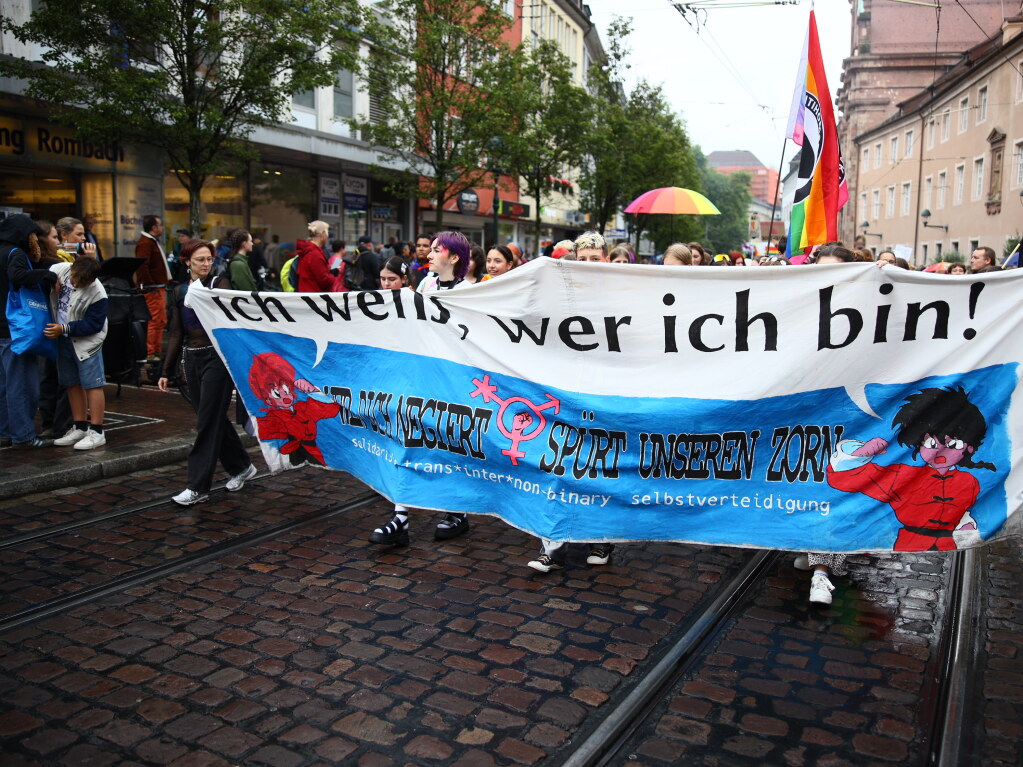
(951, 257)
(436, 92)
(731, 195)
(548, 119)
(189, 77)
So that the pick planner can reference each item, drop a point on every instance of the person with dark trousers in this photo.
(369, 263)
(19, 373)
(209, 387)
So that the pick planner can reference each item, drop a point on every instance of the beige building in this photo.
(946, 173)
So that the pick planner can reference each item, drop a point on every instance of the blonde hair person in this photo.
(590, 246)
(678, 254)
(316, 229)
(565, 250)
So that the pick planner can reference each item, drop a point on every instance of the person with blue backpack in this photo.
(19, 371)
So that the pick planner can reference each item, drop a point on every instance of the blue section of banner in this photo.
(566, 465)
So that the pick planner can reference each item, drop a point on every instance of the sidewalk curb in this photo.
(111, 461)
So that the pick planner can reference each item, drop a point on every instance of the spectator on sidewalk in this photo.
(209, 387)
(19, 373)
(154, 274)
(79, 306)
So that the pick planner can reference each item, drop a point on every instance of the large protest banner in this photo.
(830, 408)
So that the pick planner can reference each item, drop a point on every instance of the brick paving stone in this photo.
(837, 685)
(998, 733)
(318, 647)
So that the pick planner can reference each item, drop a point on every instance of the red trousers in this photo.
(157, 303)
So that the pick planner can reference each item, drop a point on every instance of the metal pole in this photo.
(497, 204)
(774, 201)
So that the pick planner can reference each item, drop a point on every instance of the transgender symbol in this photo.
(520, 420)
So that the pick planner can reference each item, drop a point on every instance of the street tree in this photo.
(550, 117)
(436, 99)
(601, 175)
(731, 195)
(190, 77)
(636, 143)
(659, 155)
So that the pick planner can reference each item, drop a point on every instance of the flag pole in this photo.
(777, 192)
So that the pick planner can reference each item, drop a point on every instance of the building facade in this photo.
(897, 50)
(763, 180)
(945, 175)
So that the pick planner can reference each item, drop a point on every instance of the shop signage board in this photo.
(356, 194)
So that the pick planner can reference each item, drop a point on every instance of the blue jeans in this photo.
(19, 393)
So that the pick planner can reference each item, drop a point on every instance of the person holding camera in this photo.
(73, 244)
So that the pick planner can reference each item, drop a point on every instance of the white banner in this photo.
(817, 408)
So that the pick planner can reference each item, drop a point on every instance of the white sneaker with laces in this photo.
(190, 497)
(72, 436)
(821, 588)
(237, 482)
(802, 562)
(90, 440)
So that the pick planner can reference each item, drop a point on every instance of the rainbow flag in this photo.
(821, 189)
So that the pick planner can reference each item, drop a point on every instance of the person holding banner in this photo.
(209, 388)
(449, 263)
(394, 274)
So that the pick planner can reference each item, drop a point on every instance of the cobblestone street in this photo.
(316, 647)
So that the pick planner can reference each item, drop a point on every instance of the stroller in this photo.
(124, 350)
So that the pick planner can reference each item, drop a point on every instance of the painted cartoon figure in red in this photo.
(932, 501)
(272, 379)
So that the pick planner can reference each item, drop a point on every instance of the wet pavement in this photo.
(316, 647)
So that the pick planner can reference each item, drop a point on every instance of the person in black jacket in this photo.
(19, 373)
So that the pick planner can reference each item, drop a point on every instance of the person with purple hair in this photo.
(449, 263)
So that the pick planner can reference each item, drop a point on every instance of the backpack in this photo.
(352, 272)
(289, 275)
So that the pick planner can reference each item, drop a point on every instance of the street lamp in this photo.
(865, 226)
(926, 214)
(494, 147)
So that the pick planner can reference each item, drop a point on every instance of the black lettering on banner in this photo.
(826, 315)
(342, 395)
(593, 452)
(330, 308)
(266, 302)
(728, 455)
(802, 452)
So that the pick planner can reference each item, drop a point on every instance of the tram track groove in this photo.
(606, 741)
(136, 508)
(147, 574)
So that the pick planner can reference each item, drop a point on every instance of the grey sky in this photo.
(740, 59)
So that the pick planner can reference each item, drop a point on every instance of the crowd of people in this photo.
(60, 374)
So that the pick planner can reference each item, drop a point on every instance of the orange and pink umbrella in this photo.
(673, 200)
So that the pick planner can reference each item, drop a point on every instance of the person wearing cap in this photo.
(369, 262)
(565, 250)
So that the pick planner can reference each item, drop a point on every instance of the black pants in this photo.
(210, 387)
(54, 409)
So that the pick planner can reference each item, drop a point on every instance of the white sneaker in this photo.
(821, 588)
(90, 440)
(190, 497)
(237, 482)
(72, 436)
(802, 562)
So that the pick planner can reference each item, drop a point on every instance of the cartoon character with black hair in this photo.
(932, 501)
(272, 379)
